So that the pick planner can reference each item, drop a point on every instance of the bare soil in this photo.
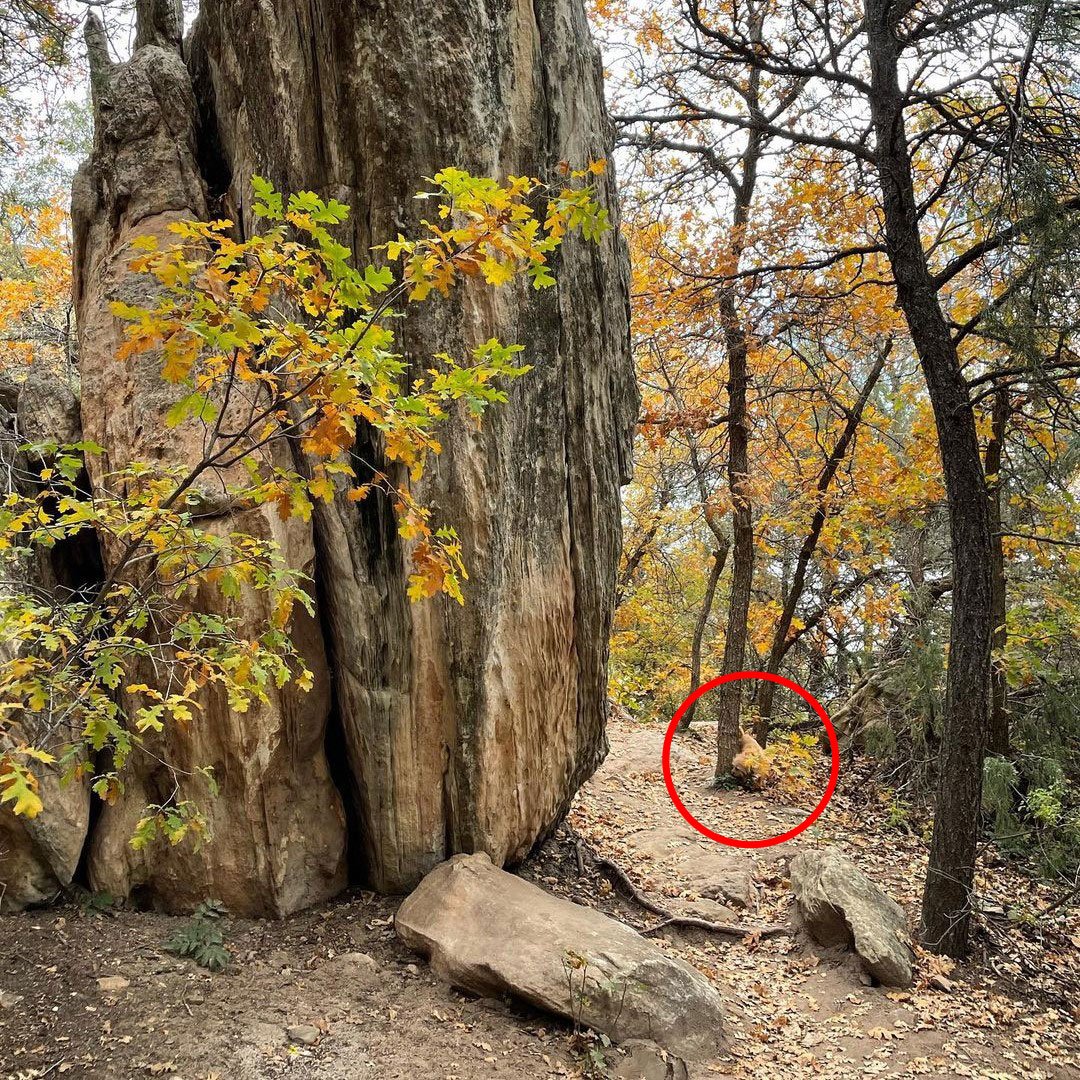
(796, 1010)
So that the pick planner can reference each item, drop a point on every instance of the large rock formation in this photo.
(277, 825)
(466, 728)
(493, 933)
(455, 728)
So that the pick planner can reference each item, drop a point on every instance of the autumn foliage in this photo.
(278, 348)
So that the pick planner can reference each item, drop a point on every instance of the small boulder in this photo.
(841, 906)
(361, 961)
(354, 969)
(303, 1034)
(113, 984)
(492, 933)
(735, 888)
(646, 1061)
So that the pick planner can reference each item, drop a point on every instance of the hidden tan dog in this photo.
(750, 766)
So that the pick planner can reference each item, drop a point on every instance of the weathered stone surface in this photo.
(841, 906)
(646, 1061)
(304, 1034)
(48, 409)
(278, 827)
(462, 728)
(466, 728)
(38, 856)
(491, 932)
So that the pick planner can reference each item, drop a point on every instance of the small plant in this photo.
(898, 816)
(574, 962)
(591, 1045)
(93, 903)
(791, 760)
(201, 939)
(593, 1059)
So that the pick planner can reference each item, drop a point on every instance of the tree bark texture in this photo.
(719, 557)
(998, 739)
(950, 874)
(729, 696)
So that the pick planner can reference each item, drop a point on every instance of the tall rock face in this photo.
(456, 728)
(277, 825)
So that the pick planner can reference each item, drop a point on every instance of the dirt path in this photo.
(800, 1010)
(359, 1005)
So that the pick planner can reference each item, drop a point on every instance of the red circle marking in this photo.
(830, 787)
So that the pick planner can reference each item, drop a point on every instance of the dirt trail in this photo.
(799, 1009)
(795, 1010)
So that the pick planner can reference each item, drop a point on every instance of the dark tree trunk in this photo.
(719, 557)
(782, 639)
(950, 875)
(998, 741)
(737, 345)
(729, 696)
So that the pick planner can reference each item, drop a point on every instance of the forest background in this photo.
(790, 511)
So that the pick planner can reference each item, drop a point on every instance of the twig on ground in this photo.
(578, 855)
(613, 870)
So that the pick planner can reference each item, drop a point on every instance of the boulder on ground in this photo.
(646, 1061)
(492, 933)
(840, 905)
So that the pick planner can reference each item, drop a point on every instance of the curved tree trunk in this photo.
(460, 728)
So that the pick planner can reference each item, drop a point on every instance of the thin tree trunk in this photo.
(951, 870)
(737, 345)
(625, 582)
(719, 557)
(782, 640)
(729, 696)
(998, 740)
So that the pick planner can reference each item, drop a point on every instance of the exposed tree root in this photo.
(669, 919)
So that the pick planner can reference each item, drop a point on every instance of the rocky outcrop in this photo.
(841, 906)
(492, 933)
(456, 728)
(278, 832)
(39, 855)
(466, 728)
